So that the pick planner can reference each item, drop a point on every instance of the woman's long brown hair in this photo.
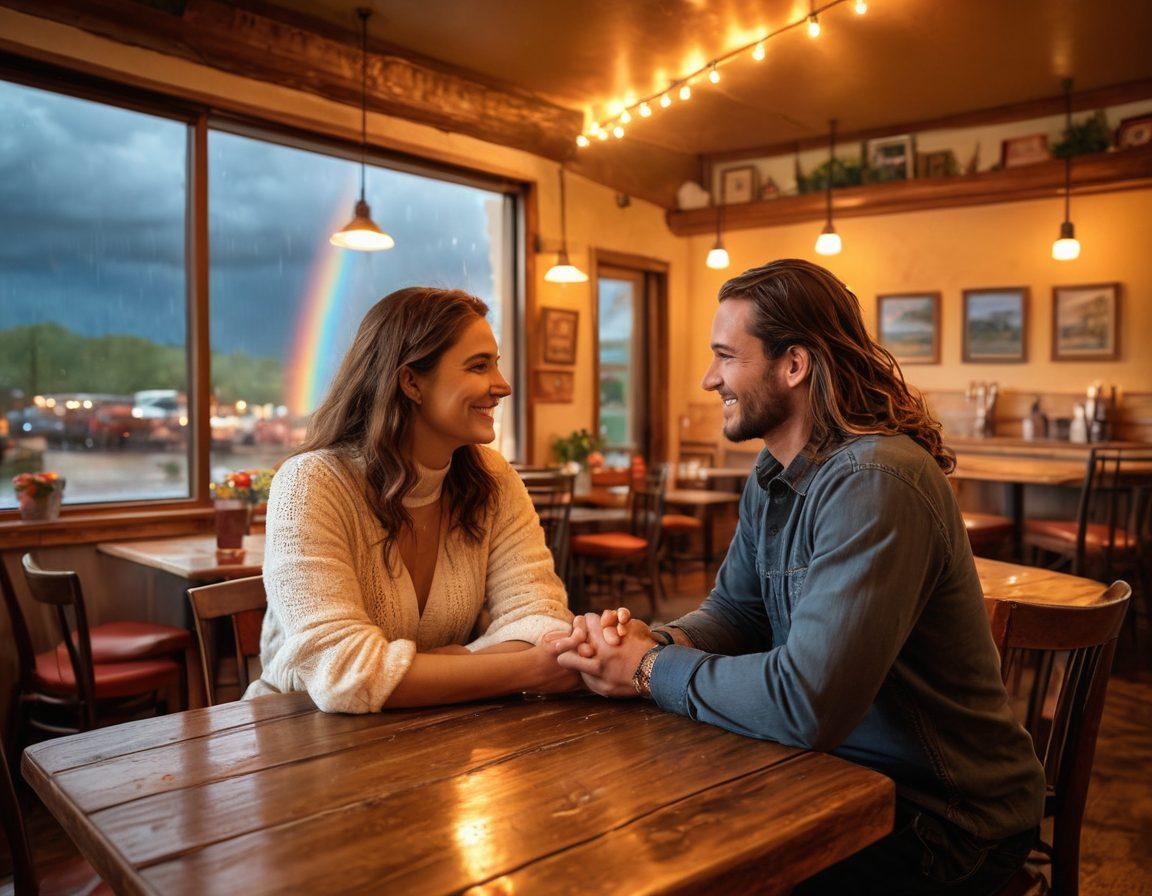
(856, 387)
(366, 414)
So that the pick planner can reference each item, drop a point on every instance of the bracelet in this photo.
(663, 637)
(642, 677)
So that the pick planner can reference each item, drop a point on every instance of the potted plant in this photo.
(576, 453)
(235, 498)
(39, 495)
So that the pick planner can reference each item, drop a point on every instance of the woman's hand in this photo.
(546, 675)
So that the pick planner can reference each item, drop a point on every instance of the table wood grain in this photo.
(1021, 470)
(567, 795)
(191, 557)
(1033, 584)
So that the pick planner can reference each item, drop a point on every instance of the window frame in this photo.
(201, 117)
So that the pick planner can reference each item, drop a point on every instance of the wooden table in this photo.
(191, 557)
(1033, 584)
(568, 795)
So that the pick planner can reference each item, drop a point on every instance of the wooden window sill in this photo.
(89, 527)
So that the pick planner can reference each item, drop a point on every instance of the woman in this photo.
(390, 529)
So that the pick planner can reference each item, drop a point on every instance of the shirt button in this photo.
(773, 530)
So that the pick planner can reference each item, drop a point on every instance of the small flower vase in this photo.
(41, 508)
(583, 484)
(232, 517)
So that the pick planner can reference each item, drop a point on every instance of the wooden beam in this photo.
(255, 45)
(1099, 173)
(1099, 98)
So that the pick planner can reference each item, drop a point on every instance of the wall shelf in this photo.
(1100, 173)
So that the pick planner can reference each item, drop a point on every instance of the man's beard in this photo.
(757, 414)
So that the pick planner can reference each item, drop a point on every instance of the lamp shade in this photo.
(828, 243)
(564, 271)
(361, 233)
(717, 258)
(1067, 248)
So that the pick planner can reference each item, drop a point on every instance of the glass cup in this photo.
(231, 526)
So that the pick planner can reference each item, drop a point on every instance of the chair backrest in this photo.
(552, 498)
(23, 868)
(60, 589)
(245, 601)
(1117, 494)
(1055, 662)
(25, 656)
(646, 506)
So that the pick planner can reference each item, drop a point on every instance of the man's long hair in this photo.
(367, 416)
(855, 386)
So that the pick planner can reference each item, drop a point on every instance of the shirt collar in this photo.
(800, 472)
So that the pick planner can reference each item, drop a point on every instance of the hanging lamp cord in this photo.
(364, 13)
(1067, 149)
(831, 166)
(563, 215)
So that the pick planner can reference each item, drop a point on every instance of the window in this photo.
(622, 365)
(93, 298)
(285, 304)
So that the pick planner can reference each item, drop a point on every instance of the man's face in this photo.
(755, 399)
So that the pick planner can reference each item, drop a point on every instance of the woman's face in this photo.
(458, 398)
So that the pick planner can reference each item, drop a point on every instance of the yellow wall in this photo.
(949, 250)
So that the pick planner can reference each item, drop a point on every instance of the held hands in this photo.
(604, 649)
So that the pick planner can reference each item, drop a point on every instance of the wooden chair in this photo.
(552, 498)
(94, 676)
(634, 554)
(71, 877)
(244, 601)
(1112, 533)
(1070, 647)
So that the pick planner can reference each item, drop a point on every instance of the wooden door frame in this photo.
(654, 439)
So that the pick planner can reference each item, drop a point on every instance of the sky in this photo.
(92, 205)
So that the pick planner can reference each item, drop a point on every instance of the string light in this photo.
(582, 141)
(620, 114)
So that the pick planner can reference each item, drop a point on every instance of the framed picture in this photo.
(553, 386)
(1017, 151)
(892, 158)
(1134, 132)
(936, 164)
(1086, 322)
(738, 184)
(908, 325)
(559, 329)
(996, 325)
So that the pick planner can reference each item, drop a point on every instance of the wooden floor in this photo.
(1117, 835)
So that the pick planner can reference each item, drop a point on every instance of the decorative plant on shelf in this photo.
(248, 486)
(579, 447)
(39, 494)
(1090, 135)
(849, 173)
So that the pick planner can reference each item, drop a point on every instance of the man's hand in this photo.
(608, 668)
(613, 624)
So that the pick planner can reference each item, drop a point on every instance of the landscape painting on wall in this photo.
(996, 325)
(1085, 322)
(908, 326)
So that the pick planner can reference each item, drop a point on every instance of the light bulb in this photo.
(861, 7)
(645, 110)
(625, 117)
(665, 101)
(758, 52)
(361, 233)
(685, 92)
(717, 258)
(813, 26)
(601, 135)
(828, 243)
(1067, 247)
(582, 140)
(713, 75)
(618, 132)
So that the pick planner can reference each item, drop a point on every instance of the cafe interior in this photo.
(201, 199)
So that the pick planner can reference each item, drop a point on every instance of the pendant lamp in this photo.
(718, 256)
(828, 243)
(564, 271)
(361, 233)
(1067, 247)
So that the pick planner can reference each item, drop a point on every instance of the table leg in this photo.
(1016, 500)
(707, 525)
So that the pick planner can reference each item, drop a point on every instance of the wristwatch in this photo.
(642, 677)
(663, 636)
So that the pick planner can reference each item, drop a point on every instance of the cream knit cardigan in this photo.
(340, 627)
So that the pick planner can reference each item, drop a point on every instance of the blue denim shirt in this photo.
(848, 617)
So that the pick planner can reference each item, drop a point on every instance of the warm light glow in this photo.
(582, 141)
(1066, 249)
(625, 117)
(565, 273)
(361, 233)
(645, 110)
(828, 243)
(717, 258)
(665, 101)
(685, 92)
(713, 75)
(861, 7)
(813, 26)
(758, 52)
(618, 132)
(601, 135)
(241, 406)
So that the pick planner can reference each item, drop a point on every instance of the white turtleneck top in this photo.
(344, 629)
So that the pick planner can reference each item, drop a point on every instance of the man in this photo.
(847, 616)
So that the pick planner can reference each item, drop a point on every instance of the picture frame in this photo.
(1133, 132)
(892, 158)
(1016, 152)
(936, 164)
(908, 326)
(996, 325)
(738, 184)
(553, 386)
(558, 327)
(1086, 322)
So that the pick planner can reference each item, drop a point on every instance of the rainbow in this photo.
(317, 322)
